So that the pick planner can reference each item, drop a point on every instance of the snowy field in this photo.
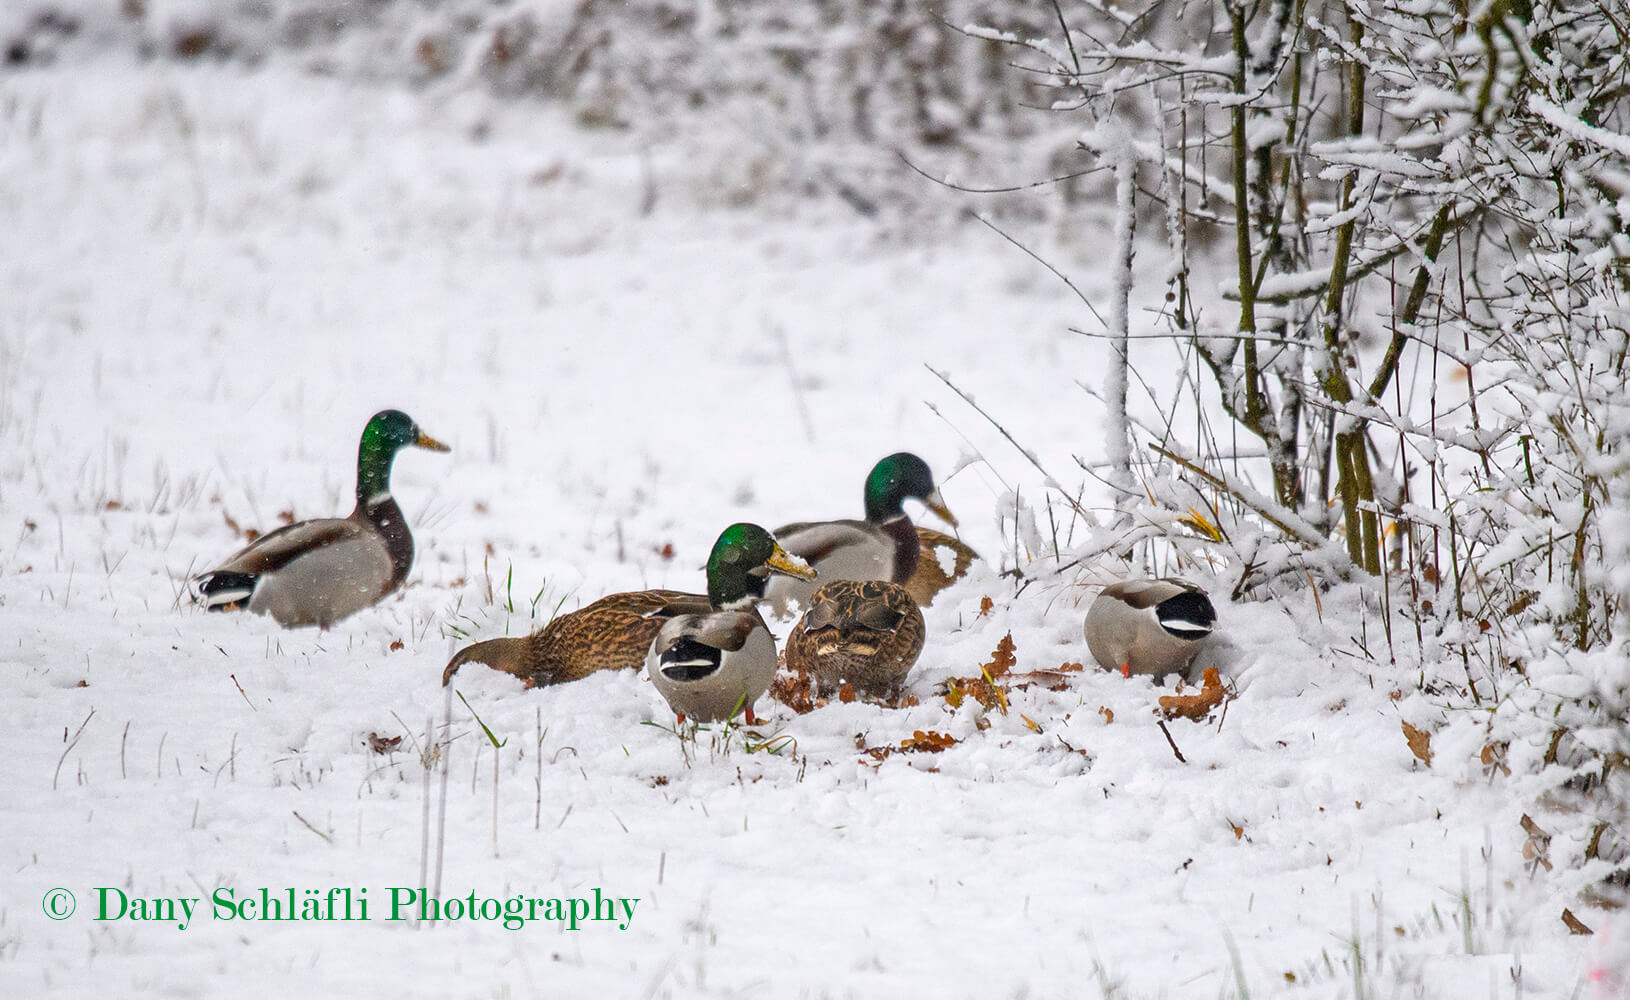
(210, 279)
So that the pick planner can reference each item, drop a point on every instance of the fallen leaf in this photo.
(1002, 658)
(985, 606)
(984, 688)
(1420, 743)
(1196, 706)
(1108, 714)
(396, 644)
(1031, 723)
(846, 694)
(927, 742)
(1575, 926)
(382, 744)
(794, 689)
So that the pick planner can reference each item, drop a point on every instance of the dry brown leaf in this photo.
(846, 694)
(1196, 706)
(985, 606)
(926, 742)
(1420, 743)
(984, 688)
(396, 644)
(794, 689)
(1001, 658)
(1575, 925)
(382, 744)
(1537, 848)
(1108, 714)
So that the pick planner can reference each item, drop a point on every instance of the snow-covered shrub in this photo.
(1396, 238)
(834, 90)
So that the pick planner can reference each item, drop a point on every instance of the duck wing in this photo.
(721, 630)
(665, 603)
(273, 551)
(817, 540)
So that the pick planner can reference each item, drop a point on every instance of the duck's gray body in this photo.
(1150, 627)
(711, 667)
(316, 572)
(842, 550)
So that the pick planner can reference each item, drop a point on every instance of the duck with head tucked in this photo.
(619, 631)
(884, 546)
(866, 633)
(1149, 626)
(318, 572)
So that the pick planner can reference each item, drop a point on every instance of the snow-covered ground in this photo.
(210, 279)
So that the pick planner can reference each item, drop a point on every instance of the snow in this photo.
(212, 277)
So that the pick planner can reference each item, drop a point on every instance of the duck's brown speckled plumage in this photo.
(868, 633)
(613, 633)
(929, 578)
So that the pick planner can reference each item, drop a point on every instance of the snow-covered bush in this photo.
(834, 91)
(1420, 210)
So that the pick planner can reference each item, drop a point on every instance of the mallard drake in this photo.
(1148, 626)
(884, 546)
(613, 633)
(317, 572)
(866, 632)
(941, 561)
(713, 665)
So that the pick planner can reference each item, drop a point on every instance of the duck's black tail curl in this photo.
(224, 591)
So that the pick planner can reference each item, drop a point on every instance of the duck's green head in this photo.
(742, 548)
(388, 432)
(893, 479)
